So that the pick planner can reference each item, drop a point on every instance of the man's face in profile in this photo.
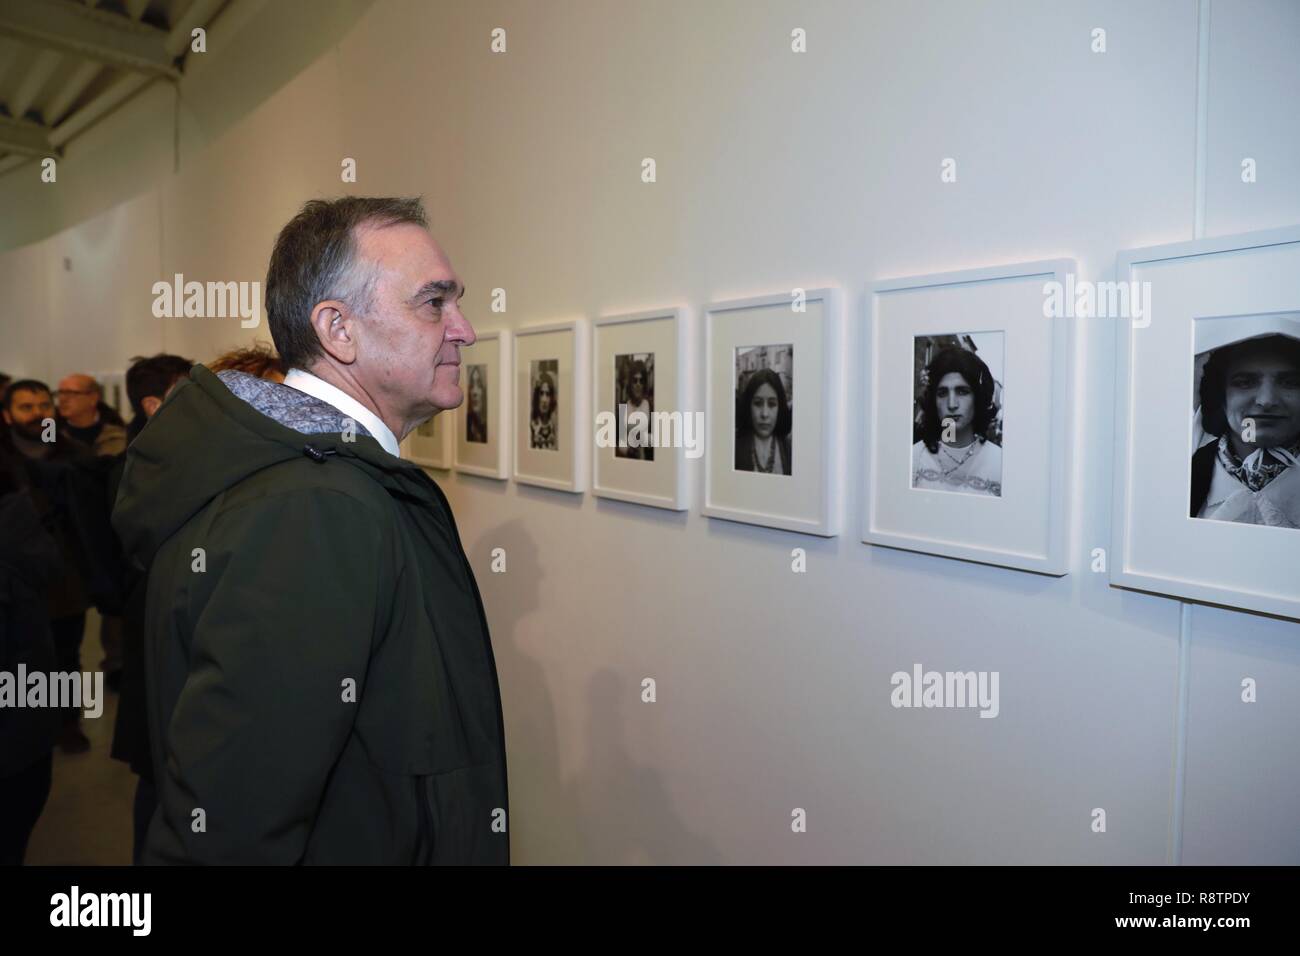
(415, 329)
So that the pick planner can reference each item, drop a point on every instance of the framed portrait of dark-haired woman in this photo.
(771, 459)
(967, 428)
(645, 432)
(1207, 443)
(551, 405)
(957, 412)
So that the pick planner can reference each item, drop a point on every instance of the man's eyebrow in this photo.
(442, 287)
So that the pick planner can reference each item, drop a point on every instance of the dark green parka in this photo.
(321, 681)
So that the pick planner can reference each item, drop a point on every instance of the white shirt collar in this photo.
(345, 403)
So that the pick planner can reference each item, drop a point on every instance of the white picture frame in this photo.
(490, 458)
(1156, 545)
(1025, 523)
(430, 444)
(810, 323)
(662, 334)
(564, 467)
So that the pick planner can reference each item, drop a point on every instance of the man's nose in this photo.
(463, 330)
(1266, 395)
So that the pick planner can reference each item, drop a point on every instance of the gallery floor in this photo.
(87, 819)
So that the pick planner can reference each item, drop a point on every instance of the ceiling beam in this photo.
(104, 103)
(10, 50)
(12, 161)
(73, 28)
(37, 75)
(24, 138)
(72, 87)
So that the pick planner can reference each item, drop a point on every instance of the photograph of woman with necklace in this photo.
(544, 426)
(763, 413)
(958, 415)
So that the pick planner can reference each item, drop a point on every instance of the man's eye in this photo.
(436, 303)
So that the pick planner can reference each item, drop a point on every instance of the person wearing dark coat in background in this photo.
(148, 382)
(68, 486)
(29, 561)
(83, 414)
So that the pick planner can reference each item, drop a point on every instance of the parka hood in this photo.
(214, 431)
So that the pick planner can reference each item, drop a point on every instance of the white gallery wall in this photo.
(774, 170)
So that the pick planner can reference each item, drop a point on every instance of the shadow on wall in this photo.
(542, 823)
(611, 811)
(626, 811)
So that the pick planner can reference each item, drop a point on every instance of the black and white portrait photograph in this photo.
(639, 454)
(634, 400)
(1246, 421)
(476, 398)
(764, 408)
(544, 408)
(957, 413)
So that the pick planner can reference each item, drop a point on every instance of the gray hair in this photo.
(315, 259)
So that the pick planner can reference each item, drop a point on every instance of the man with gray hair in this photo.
(321, 682)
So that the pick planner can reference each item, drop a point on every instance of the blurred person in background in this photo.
(68, 488)
(85, 416)
(258, 360)
(148, 383)
(29, 561)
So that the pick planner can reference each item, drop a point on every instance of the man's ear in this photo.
(150, 405)
(8, 420)
(335, 328)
